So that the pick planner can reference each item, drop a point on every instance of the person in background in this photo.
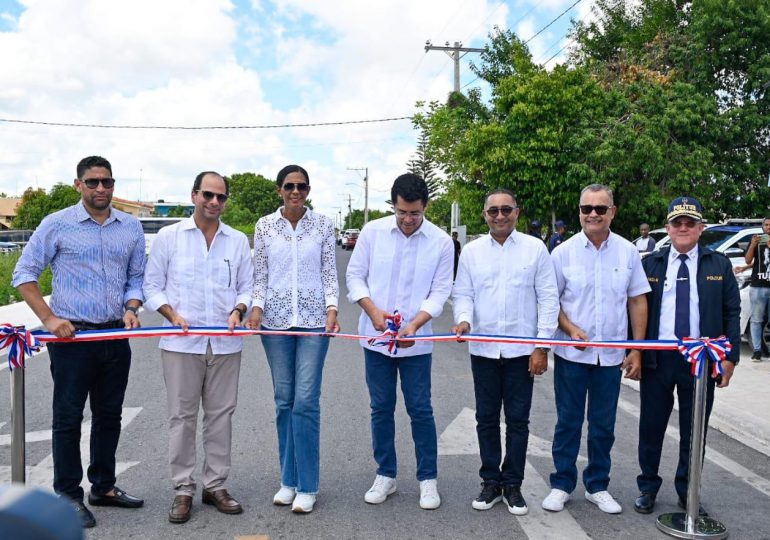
(646, 243)
(758, 259)
(458, 249)
(536, 229)
(296, 290)
(96, 254)
(558, 236)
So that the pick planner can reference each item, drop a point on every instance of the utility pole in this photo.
(454, 53)
(350, 208)
(366, 190)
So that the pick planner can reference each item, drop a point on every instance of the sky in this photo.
(196, 63)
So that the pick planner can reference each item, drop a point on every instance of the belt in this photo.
(85, 325)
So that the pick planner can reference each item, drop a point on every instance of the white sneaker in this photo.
(382, 487)
(605, 502)
(555, 500)
(429, 497)
(285, 496)
(303, 503)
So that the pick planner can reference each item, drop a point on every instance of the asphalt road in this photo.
(736, 489)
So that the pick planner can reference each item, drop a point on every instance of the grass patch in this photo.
(8, 293)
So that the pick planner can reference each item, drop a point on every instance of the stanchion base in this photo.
(674, 524)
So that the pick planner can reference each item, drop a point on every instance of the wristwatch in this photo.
(241, 312)
(132, 309)
(544, 350)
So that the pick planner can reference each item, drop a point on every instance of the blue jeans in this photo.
(296, 365)
(381, 376)
(502, 382)
(656, 393)
(573, 382)
(760, 300)
(98, 371)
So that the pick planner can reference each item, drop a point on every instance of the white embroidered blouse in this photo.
(295, 270)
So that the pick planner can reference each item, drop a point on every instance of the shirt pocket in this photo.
(223, 272)
(521, 276)
(620, 277)
(183, 270)
(575, 279)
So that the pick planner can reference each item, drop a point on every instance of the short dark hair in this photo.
(411, 188)
(89, 163)
(199, 180)
(286, 171)
(501, 191)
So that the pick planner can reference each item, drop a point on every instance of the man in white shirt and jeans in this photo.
(401, 263)
(200, 273)
(601, 285)
(505, 285)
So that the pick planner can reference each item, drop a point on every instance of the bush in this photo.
(8, 293)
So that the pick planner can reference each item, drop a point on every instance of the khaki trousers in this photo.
(193, 380)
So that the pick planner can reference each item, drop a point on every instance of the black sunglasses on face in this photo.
(588, 208)
(91, 183)
(492, 211)
(208, 195)
(301, 187)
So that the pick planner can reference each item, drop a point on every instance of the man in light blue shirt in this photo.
(96, 254)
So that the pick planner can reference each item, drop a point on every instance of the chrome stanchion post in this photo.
(18, 430)
(690, 524)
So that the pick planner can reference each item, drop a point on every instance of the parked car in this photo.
(151, 226)
(657, 235)
(343, 237)
(350, 240)
(9, 247)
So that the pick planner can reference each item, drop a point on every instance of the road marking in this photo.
(739, 471)
(42, 474)
(459, 438)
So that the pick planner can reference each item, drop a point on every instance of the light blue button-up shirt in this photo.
(97, 267)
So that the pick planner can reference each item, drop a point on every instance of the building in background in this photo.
(8, 207)
(135, 208)
(162, 208)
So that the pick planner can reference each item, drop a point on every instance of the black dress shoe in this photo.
(121, 499)
(87, 519)
(644, 503)
(683, 505)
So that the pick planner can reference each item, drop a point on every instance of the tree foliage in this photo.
(251, 197)
(660, 98)
(37, 204)
(355, 219)
(423, 165)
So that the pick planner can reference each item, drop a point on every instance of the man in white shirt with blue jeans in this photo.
(505, 285)
(601, 286)
(401, 263)
(200, 273)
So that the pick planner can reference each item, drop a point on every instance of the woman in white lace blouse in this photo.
(296, 289)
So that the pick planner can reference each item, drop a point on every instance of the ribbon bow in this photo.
(21, 343)
(694, 351)
(388, 337)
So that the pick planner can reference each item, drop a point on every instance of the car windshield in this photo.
(657, 235)
(715, 237)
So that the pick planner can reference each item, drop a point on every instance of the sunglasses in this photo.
(600, 210)
(289, 186)
(91, 183)
(493, 211)
(687, 223)
(208, 195)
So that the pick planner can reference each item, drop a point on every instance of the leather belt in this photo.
(84, 325)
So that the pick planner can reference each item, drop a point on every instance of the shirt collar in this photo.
(82, 214)
(586, 242)
(420, 230)
(278, 215)
(691, 255)
(189, 224)
(512, 238)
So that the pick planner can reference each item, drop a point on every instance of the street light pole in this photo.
(366, 190)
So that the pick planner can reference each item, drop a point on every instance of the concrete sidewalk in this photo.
(741, 411)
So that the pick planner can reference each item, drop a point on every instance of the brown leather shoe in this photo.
(180, 509)
(222, 500)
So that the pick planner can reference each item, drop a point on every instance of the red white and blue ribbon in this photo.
(21, 343)
(24, 343)
(389, 338)
(697, 350)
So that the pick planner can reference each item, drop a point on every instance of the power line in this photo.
(201, 128)
(570, 42)
(543, 29)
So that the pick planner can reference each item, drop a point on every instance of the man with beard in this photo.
(96, 255)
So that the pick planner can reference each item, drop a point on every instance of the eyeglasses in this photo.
(492, 211)
(404, 213)
(678, 223)
(600, 210)
(208, 195)
(91, 183)
(301, 187)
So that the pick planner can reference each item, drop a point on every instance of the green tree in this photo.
(37, 204)
(423, 164)
(355, 219)
(177, 211)
(251, 197)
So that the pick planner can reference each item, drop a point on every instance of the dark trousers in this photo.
(657, 401)
(99, 371)
(502, 382)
